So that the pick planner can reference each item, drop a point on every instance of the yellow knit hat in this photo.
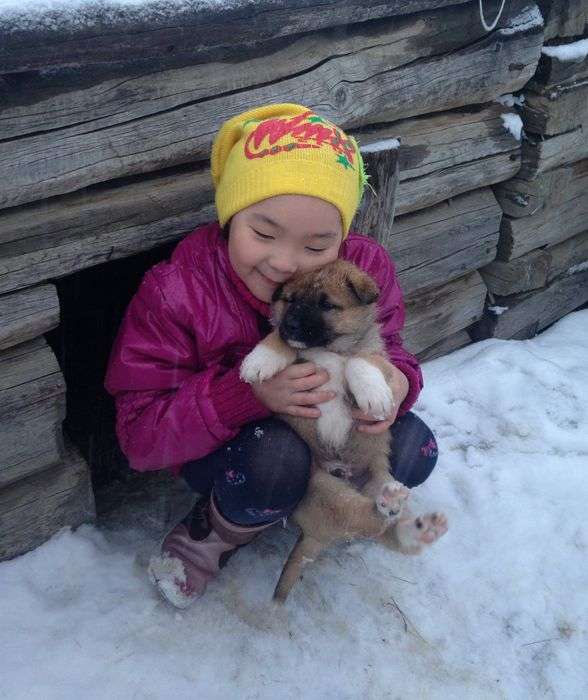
(285, 149)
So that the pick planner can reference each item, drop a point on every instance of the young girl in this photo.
(288, 183)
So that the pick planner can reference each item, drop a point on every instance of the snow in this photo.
(529, 18)
(510, 100)
(576, 51)
(513, 123)
(385, 145)
(580, 267)
(71, 14)
(497, 609)
(498, 310)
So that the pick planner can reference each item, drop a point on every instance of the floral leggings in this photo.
(262, 473)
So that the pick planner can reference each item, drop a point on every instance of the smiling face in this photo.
(273, 239)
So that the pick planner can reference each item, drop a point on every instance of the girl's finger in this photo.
(308, 398)
(303, 411)
(304, 369)
(311, 381)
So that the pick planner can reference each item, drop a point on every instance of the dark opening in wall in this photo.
(93, 303)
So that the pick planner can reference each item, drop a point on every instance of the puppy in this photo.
(328, 316)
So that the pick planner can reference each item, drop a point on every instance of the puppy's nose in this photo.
(291, 323)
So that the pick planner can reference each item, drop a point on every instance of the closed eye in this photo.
(264, 236)
(327, 305)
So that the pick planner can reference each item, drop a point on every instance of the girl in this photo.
(288, 183)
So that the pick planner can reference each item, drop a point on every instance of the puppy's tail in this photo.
(305, 551)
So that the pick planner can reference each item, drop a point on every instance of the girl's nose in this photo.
(284, 264)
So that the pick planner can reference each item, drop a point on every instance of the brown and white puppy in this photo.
(328, 316)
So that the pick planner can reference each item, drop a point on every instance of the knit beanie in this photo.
(285, 149)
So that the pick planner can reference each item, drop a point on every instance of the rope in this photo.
(487, 27)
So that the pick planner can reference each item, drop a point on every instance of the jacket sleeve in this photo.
(171, 410)
(391, 316)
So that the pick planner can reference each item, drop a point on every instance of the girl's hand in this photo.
(295, 390)
(369, 424)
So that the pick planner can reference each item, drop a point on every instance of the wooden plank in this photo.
(519, 197)
(556, 109)
(564, 18)
(442, 243)
(28, 314)
(443, 155)
(32, 407)
(552, 72)
(535, 269)
(547, 227)
(542, 154)
(34, 508)
(83, 230)
(376, 212)
(445, 346)
(91, 35)
(527, 314)
(443, 311)
(352, 89)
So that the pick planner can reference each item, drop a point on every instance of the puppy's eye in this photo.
(327, 305)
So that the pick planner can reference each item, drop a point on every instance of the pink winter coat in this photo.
(174, 367)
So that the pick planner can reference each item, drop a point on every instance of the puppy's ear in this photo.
(277, 293)
(363, 288)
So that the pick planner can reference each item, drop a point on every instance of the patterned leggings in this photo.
(262, 473)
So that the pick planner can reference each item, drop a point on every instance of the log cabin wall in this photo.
(106, 123)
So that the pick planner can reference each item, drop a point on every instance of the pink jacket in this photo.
(174, 366)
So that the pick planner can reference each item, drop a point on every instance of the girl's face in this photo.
(271, 240)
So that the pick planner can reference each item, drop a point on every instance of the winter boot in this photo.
(195, 550)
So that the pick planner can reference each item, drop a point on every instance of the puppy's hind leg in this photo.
(409, 535)
(389, 495)
(305, 551)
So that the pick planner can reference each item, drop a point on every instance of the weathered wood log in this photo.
(540, 155)
(32, 406)
(93, 35)
(443, 311)
(354, 87)
(557, 109)
(34, 508)
(535, 269)
(444, 347)
(443, 155)
(54, 239)
(376, 213)
(54, 101)
(527, 314)
(442, 243)
(564, 17)
(551, 71)
(519, 197)
(547, 227)
(27, 315)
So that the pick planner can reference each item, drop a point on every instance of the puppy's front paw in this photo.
(391, 499)
(262, 363)
(414, 533)
(369, 388)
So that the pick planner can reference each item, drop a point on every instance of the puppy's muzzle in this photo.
(303, 326)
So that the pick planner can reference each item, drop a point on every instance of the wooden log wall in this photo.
(105, 133)
(540, 271)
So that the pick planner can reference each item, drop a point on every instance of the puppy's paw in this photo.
(391, 499)
(369, 388)
(415, 533)
(262, 363)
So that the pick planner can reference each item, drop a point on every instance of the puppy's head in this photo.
(333, 304)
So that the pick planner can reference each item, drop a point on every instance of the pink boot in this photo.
(195, 550)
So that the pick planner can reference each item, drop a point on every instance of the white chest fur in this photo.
(335, 421)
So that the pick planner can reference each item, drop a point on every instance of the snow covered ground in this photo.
(497, 609)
